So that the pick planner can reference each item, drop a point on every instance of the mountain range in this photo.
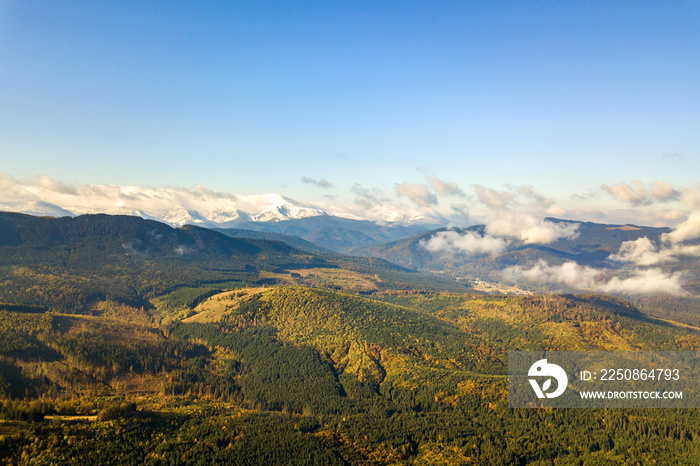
(281, 215)
(75, 262)
(142, 342)
(592, 246)
(226, 213)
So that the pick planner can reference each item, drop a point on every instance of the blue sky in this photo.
(250, 97)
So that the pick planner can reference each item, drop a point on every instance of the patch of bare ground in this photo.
(142, 384)
(214, 308)
(72, 325)
(624, 228)
(335, 278)
(10, 428)
(61, 418)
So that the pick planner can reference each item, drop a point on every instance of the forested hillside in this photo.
(250, 352)
(76, 264)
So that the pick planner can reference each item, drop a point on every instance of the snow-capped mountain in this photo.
(287, 211)
(181, 217)
(211, 209)
(216, 218)
(227, 218)
(38, 208)
(275, 208)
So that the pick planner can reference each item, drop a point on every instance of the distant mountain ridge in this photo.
(219, 212)
(283, 216)
(275, 208)
(293, 241)
(594, 243)
(104, 238)
(75, 262)
(336, 233)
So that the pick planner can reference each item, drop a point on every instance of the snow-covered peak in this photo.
(39, 208)
(386, 213)
(223, 217)
(179, 217)
(196, 206)
(287, 211)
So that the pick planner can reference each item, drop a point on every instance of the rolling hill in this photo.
(79, 263)
(408, 377)
(74, 262)
(191, 346)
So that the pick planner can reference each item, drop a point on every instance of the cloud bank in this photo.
(642, 252)
(513, 215)
(530, 230)
(690, 228)
(519, 213)
(640, 194)
(138, 200)
(418, 193)
(444, 188)
(468, 243)
(646, 281)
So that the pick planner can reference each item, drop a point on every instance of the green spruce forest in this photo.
(126, 341)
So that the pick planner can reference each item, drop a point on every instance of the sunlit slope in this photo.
(459, 332)
(363, 336)
(59, 355)
(438, 340)
(552, 322)
(417, 380)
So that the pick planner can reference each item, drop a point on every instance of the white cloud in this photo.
(51, 185)
(536, 200)
(443, 188)
(492, 197)
(688, 230)
(470, 242)
(320, 183)
(519, 213)
(663, 191)
(691, 196)
(569, 273)
(648, 281)
(635, 195)
(178, 204)
(181, 250)
(671, 214)
(6, 182)
(81, 199)
(529, 229)
(418, 193)
(643, 252)
(638, 194)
